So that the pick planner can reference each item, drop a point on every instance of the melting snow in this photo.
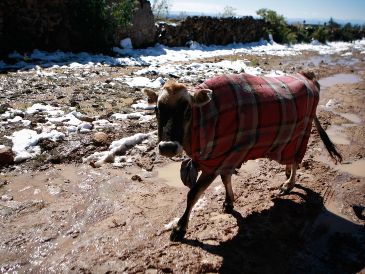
(160, 54)
(116, 148)
(25, 142)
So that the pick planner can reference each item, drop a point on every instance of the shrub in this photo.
(98, 20)
(277, 26)
(321, 34)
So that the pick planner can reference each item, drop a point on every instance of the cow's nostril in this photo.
(168, 149)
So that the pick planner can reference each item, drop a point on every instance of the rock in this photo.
(100, 138)
(47, 144)
(6, 156)
(136, 178)
(6, 198)
(4, 108)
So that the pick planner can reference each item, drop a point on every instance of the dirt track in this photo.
(70, 217)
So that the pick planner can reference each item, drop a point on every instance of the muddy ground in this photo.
(59, 215)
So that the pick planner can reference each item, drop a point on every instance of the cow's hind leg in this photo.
(228, 203)
(201, 185)
(289, 184)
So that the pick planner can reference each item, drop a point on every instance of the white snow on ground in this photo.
(158, 59)
(140, 116)
(160, 54)
(141, 82)
(118, 147)
(190, 71)
(141, 104)
(25, 142)
(59, 125)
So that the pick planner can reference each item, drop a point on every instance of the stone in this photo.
(6, 198)
(100, 138)
(6, 156)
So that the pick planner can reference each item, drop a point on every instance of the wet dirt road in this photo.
(72, 218)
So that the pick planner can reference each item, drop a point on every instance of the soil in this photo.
(59, 215)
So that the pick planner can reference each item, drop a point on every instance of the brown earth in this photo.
(72, 218)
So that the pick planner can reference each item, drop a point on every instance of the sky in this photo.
(352, 10)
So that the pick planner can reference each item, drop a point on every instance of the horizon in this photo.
(350, 11)
(314, 21)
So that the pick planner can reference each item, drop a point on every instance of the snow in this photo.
(126, 43)
(36, 108)
(142, 104)
(118, 147)
(25, 142)
(141, 82)
(160, 54)
(140, 116)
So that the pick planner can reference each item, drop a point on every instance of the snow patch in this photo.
(25, 142)
(118, 147)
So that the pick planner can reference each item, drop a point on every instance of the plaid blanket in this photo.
(252, 117)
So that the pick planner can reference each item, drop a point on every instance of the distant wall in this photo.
(50, 25)
(211, 30)
(66, 25)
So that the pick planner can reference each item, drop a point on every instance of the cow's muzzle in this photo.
(169, 149)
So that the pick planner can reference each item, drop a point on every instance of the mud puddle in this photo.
(356, 168)
(337, 135)
(170, 174)
(341, 78)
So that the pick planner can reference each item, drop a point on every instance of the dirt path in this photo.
(72, 218)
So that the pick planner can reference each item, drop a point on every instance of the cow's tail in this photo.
(331, 148)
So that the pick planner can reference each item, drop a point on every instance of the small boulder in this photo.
(6, 156)
(100, 138)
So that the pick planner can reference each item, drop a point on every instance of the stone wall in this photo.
(211, 30)
(143, 30)
(55, 24)
(62, 25)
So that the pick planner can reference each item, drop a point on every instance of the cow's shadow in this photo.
(292, 237)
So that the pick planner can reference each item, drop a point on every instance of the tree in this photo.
(321, 34)
(277, 26)
(161, 8)
(228, 12)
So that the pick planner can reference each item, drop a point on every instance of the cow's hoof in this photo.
(285, 189)
(177, 234)
(228, 208)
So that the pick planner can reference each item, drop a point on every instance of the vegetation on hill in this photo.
(282, 32)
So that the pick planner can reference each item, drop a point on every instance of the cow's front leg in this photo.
(289, 184)
(201, 185)
(228, 203)
(287, 171)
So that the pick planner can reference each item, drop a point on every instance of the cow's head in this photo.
(174, 112)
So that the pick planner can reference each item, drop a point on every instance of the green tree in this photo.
(98, 20)
(277, 26)
(321, 34)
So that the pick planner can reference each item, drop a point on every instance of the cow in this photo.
(230, 119)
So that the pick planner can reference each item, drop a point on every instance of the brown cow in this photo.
(230, 119)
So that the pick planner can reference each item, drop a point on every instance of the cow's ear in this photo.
(151, 95)
(202, 97)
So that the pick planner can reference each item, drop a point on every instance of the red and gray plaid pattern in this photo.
(252, 117)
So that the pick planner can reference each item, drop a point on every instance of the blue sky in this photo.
(307, 9)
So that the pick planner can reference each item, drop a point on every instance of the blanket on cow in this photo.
(252, 117)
